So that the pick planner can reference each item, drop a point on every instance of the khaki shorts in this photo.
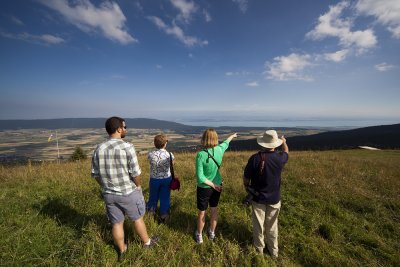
(132, 205)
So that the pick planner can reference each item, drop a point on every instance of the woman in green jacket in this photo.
(209, 180)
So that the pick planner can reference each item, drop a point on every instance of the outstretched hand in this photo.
(232, 136)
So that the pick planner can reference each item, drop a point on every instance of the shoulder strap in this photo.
(171, 165)
(263, 159)
(211, 156)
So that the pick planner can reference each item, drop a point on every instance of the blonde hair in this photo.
(160, 140)
(209, 138)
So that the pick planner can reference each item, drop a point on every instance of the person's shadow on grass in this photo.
(63, 214)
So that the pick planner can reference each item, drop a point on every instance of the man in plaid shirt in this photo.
(115, 167)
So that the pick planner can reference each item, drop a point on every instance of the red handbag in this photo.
(175, 183)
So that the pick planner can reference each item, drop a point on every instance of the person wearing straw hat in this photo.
(262, 178)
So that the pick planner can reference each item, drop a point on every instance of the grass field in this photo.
(339, 208)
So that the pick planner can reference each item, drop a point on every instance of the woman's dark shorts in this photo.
(207, 196)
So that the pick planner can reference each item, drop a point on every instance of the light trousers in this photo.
(265, 227)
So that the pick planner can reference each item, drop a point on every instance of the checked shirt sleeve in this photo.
(133, 164)
(95, 165)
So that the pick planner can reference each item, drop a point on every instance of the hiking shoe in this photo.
(121, 255)
(211, 235)
(153, 240)
(198, 237)
(163, 219)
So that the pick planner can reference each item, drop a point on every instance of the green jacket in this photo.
(206, 167)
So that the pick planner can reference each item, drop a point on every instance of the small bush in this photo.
(78, 154)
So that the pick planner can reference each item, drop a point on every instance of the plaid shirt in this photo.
(114, 162)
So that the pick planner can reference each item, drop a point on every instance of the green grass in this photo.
(339, 208)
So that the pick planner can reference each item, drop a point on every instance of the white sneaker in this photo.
(211, 235)
(198, 237)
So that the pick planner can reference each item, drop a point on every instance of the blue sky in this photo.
(177, 59)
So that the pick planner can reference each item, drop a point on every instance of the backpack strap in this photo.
(263, 160)
(211, 156)
(171, 165)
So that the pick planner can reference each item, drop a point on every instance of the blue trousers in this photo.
(159, 190)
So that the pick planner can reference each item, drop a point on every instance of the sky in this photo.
(232, 61)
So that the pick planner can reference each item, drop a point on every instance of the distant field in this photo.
(33, 143)
(339, 208)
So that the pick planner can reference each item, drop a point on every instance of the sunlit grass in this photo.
(339, 208)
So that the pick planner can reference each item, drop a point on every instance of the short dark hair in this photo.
(113, 123)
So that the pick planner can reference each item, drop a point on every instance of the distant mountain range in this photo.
(139, 123)
(135, 123)
(385, 136)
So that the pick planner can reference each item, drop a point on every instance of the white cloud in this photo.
(159, 66)
(186, 8)
(51, 39)
(242, 5)
(331, 24)
(384, 66)
(207, 16)
(252, 84)
(395, 31)
(177, 32)
(290, 67)
(237, 73)
(387, 13)
(108, 18)
(45, 39)
(337, 56)
(190, 55)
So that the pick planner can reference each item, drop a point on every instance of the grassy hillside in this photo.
(339, 208)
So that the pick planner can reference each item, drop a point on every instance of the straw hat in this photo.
(269, 139)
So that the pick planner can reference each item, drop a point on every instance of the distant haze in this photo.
(285, 122)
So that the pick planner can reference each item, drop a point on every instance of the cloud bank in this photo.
(384, 67)
(334, 24)
(289, 67)
(107, 18)
(177, 32)
(44, 39)
(331, 24)
(386, 12)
